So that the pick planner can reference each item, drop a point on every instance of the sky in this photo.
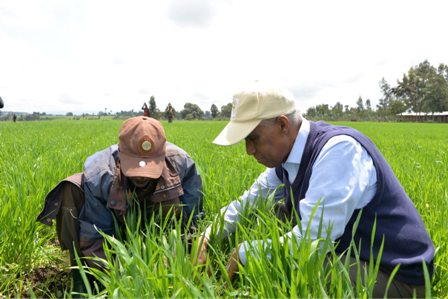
(88, 56)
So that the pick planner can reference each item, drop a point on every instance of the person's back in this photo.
(160, 175)
(1, 103)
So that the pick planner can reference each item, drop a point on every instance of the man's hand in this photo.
(200, 255)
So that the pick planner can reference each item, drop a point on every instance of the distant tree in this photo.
(311, 112)
(214, 111)
(322, 110)
(207, 114)
(338, 109)
(436, 94)
(153, 107)
(368, 105)
(69, 114)
(412, 88)
(396, 106)
(226, 110)
(360, 104)
(193, 109)
(443, 71)
(383, 106)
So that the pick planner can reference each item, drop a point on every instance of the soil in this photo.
(48, 282)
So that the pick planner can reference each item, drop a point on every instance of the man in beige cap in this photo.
(142, 168)
(326, 165)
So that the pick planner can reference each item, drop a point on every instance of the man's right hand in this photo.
(200, 255)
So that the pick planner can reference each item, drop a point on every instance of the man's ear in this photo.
(283, 123)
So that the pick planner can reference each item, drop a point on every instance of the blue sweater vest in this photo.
(406, 240)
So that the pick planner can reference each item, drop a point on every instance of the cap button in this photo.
(113, 202)
(162, 187)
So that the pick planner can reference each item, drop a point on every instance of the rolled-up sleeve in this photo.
(263, 186)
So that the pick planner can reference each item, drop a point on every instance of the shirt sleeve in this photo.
(263, 186)
(344, 178)
(192, 186)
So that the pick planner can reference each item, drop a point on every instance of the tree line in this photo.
(423, 89)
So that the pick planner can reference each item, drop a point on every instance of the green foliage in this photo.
(424, 88)
(214, 111)
(191, 111)
(226, 111)
(36, 156)
(152, 105)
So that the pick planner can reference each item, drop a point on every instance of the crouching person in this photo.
(332, 166)
(144, 165)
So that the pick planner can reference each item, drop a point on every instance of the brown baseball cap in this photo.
(142, 146)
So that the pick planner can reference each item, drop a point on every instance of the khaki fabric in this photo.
(397, 289)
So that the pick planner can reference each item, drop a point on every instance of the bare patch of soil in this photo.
(48, 282)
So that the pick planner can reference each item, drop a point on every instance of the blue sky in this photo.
(85, 56)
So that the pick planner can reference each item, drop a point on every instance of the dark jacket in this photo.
(106, 192)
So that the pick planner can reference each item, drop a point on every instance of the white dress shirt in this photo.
(343, 177)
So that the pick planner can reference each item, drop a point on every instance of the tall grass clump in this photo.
(35, 156)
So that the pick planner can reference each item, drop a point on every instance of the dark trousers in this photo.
(67, 224)
(397, 289)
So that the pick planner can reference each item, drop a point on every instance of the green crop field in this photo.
(35, 156)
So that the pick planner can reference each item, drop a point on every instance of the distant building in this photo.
(437, 117)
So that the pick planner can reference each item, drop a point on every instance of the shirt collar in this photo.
(295, 156)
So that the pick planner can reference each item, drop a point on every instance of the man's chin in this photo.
(267, 164)
(263, 162)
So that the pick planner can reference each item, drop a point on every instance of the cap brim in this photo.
(131, 167)
(234, 132)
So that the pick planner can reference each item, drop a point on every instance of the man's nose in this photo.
(250, 149)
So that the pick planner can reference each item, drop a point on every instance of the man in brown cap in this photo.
(143, 167)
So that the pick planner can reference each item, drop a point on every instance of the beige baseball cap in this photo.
(142, 146)
(259, 101)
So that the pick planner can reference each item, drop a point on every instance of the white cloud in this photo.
(26, 14)
(97, 54)
(192, 13)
